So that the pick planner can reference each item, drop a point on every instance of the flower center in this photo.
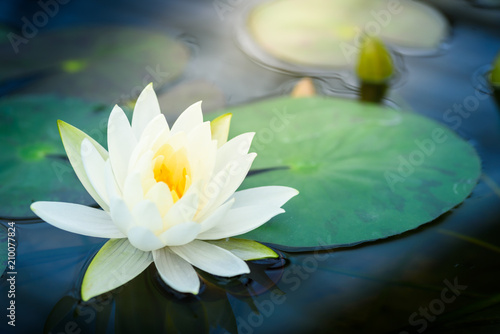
(172, 168)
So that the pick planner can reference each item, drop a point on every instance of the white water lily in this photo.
(166, 193)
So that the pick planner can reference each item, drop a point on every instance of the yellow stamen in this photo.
(172, 168)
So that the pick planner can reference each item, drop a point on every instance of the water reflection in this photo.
(146, 304)
(374, 288)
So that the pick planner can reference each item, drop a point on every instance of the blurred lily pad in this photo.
(364, 172)
(33, 163)
(98, 63)
(177, 99)
(327, 33)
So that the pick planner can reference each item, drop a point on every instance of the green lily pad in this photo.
(327, 33)
(364, 172)
(33, 163)
(108, 64)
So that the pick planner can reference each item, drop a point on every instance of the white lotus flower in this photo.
(166, 193)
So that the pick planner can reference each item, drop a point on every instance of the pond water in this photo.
(440, 278)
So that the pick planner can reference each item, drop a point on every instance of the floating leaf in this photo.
(326, 33)
(109, 64)
(364, 172)
(33, 164)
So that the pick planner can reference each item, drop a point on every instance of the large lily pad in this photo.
(328, 33)
(109, 64)
(364, 172)
(33, 163)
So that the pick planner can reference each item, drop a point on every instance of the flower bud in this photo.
(495, 73)
(374, 62)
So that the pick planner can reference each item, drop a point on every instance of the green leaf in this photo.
(364, 172)
(111, 64)
(245, 249)
(116, 263)
(33, 163)
(327, 34)
(375, 63)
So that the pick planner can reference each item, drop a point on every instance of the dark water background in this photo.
(390, 286)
